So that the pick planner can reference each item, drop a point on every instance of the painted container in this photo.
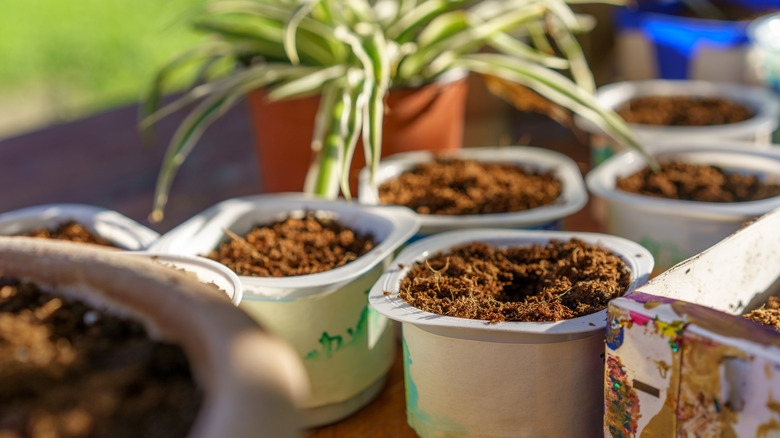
(347, 348)
(657, 39)
(108, 224)
(205, 270)
(755, 132)
(467, 377)
(681, 361)
(674, 230)
(573, 198)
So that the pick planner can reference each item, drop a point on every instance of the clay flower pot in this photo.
(718, 370)
(757, 130)
(347, 348)
(117, 229)
(426, 118)
(468, 377)
(573, 197)
(251, 380)
(674, 230)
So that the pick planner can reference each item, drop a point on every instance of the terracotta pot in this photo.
(251, 380)
(427, 118)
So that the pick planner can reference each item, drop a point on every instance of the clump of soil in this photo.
(552, 282)
(68, 370)
(71, 231)
(682, 111)
(294, 246)
(768, 314)
(459, 187)
(697, 182)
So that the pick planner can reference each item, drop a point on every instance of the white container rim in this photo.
(573, 198)
(763, 31)
(637, 258)
(403, 222)
(602, 179)
(87, 215)
(764, 103)
(206, 269)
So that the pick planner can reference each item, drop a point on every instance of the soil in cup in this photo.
(69, 370)
(71, 231)
(768, 314)
(683, 111)
(697, 182)
(293, 246)
(459, 187)
(551, 282)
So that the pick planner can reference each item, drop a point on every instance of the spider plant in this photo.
(352, 52)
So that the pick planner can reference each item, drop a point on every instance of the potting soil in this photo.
(682, 111)
(70, 231)
(768, 314)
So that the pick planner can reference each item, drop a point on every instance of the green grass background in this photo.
(74, 58)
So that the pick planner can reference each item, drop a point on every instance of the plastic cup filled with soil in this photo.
(305, 266)
(696, 197)
(504, 187)
(78, 223)
(521, 313)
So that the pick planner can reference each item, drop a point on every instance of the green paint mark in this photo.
(332, 344)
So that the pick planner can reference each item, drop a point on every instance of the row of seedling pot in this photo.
(521, 367)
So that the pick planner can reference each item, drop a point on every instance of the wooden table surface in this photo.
(101, 161)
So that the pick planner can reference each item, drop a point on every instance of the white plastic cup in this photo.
(755, 132)
(347, 348)
(108, 224)
(468, 377)
(674, 230)
(573, 198)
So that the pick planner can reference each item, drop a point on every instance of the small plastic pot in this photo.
(467, 377)
(573, 198)
(108, 224)
(347, 348)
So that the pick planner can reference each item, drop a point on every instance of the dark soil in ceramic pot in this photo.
(449, 186)
(293, 246)
(683, 111)
(71, 231)
(538, 283)
(69, 370)
(697, 182)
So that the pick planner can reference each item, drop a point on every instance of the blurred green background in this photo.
(62, 60)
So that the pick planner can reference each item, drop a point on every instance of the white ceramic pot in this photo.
(347, 348)
(573, 198)
(469, 377)
(674, 230)
(108, 224)
(755, 132)
(204, 269)
(251, 380)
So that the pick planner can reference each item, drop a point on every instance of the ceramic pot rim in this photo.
(601, 181)
(637, 258)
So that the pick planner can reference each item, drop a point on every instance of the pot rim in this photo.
(637, 258)
(601, 180)
(399, 223)
(107, 223)
(572, 199)
(764, 104)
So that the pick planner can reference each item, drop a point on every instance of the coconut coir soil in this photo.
(71, 231)
(682, 111)
(768, 314)
(294, 246)
(695, 182)
(552, 282)
(70, 371)
(459, 187)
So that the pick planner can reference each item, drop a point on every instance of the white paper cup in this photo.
(108, 224)
(347, 348)
(573, 198)
(674, 230)
(755, 132)
(468, 377)
(205, 270)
